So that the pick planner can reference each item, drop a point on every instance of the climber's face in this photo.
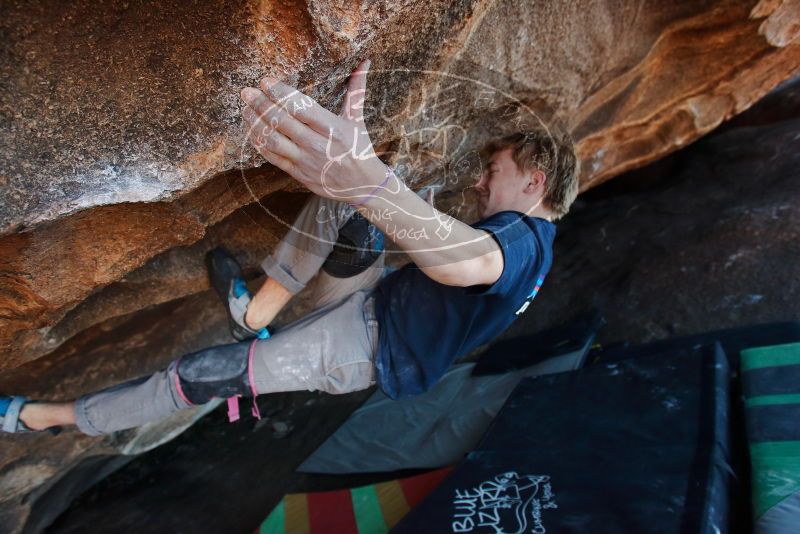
(503, 186)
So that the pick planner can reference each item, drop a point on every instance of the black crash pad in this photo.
(733, 341)
(519, 352)
(634, 446)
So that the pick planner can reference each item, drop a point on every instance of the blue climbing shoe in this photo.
(227, 279)
(10, 408)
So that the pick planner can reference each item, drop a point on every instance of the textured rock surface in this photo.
(707, 238)
(121, 157)
(43, 473)
(121, 348)
(122, 132)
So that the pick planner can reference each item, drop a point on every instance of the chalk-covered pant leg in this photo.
(330, 349)
(151, 398)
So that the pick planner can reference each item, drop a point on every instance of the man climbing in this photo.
(466, 285)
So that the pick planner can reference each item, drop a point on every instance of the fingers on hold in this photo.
(265, 147)
(301, 106)
(259, 137)
(260, 127)
(279, 161)
(251, 96)
(252, 118)
(265, 138)
(277, 92)
(275, 116)
(262, 107)
(266, 85)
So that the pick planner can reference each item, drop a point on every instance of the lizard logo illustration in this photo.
(507, 504)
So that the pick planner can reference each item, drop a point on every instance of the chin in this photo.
(487, 211)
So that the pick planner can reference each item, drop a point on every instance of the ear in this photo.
(536, 181)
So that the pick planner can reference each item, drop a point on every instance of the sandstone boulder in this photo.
(123, 139)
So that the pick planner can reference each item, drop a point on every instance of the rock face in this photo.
(707, 238)
(122, 157)
(122, 137)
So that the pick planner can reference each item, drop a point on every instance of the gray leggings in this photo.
(331, 349)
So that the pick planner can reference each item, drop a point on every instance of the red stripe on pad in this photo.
(418, 487)
(331, 511)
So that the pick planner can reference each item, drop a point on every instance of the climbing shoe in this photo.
(227, 280)
(10, 408)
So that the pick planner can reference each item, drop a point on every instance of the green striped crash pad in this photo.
(771, 388)
(364, 510)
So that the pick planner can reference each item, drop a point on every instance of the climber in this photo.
(400, 330)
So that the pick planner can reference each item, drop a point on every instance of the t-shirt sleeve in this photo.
(520, 249)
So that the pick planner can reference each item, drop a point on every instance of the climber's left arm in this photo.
(446, 249)
(332, 155)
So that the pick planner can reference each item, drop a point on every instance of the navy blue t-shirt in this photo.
(425, 325)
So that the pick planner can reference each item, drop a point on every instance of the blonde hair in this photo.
(555, 156)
